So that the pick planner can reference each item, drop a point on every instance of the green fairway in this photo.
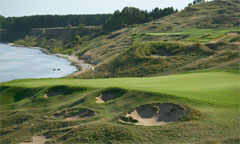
(219, 87)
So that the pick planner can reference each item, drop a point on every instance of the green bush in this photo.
(20, 42)
(42, 42)
(77, 39)
(43, 31)
(81, 27)
(69, 26)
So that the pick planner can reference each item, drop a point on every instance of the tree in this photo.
(198, 1)
(190, 4)
(131, 15)
(26, 23)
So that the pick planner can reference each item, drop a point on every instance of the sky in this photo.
(62, 7)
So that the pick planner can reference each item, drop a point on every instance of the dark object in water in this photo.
(54, 69)
(58, 69)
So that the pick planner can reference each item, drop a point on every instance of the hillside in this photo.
(210, 15)
(211, 26)
(195, 26)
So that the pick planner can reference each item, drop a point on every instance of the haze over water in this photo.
(21, 63)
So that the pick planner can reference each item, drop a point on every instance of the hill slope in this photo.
(196, 24)
(211, 25)
(209, 15)
(203, 36)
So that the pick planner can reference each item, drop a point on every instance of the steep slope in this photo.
(162, 58)
(212, 25)
(209, 15)
(218, 14)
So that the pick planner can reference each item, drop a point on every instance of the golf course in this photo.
(164, 76)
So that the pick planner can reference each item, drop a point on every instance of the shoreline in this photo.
(79, 64)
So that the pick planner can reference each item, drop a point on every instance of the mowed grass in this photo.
(194, 35)
(213, 87)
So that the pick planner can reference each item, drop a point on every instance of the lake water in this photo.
(22, 62)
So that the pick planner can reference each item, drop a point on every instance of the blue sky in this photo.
(33, 7)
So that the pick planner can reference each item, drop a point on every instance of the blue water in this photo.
(21, 63)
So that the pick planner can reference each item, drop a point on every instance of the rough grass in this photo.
(198, 23)
(161, 58)
(194, 35)
(211, 99)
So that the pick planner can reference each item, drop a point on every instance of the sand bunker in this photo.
(105, 97)
(75, 114)
(51, 94)
(110, 94)
(36, 140)
(154, 114)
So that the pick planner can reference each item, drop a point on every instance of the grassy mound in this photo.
(62, 90)
(17, 97)
(12, 95)
(74, 114)
(161, 58)
(209, 101)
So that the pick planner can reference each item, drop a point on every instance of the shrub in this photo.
(42, 42)
(69, 26)
(77, 39)
(81, 27)
(20, 42)
(43, 31)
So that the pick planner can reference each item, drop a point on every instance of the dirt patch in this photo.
(75, 114)
(154, 114)
(36, 140)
